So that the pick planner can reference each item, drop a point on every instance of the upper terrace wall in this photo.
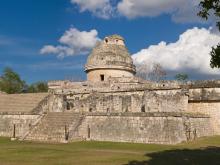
(135, 101)
(204, 94)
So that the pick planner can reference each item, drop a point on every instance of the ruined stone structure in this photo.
(109, 58)
(113, 105)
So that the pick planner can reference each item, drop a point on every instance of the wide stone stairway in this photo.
(56, 127)
(20, 103)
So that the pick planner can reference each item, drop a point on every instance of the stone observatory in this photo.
(113, 105)
(109, 58)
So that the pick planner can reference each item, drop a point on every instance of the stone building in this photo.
(113, 105)
(110, 58)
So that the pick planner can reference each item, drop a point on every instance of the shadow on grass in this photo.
(202, 156)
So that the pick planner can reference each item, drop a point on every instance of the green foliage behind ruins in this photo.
(11, 82)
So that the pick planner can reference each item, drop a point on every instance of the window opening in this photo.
(102, 77)
(143, 108)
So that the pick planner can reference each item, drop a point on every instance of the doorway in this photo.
(102, 77)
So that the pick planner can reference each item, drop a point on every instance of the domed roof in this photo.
(116, 36)
(111, 53)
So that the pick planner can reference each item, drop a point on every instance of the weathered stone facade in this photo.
(114, 105)
(138, 111)
(20, 112)
(22, 124)
(145, 128)
(110, 58)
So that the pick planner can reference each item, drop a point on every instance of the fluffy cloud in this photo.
(73, 42)
(181, 10)
(100, 8)
(189, 53)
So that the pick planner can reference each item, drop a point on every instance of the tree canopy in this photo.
(181, 77)
(215, 57)
(208, 8)
(158, 73)
(10, 82)
(154, 72)
(38, 87)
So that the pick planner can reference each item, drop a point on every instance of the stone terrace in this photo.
(20, 103)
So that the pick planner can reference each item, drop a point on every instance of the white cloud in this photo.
(189, 53)
(180, 10)
(100, 8)
(73, 42)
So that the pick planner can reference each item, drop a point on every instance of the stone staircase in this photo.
(20, 103)
(56, 127)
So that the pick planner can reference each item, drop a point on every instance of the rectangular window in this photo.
(102, 77)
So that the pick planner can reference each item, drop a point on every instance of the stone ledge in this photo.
(207, 100)
(204, 84)
(151, 114)
(19, 113)
(126, 114)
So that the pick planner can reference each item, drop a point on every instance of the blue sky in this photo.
(27, 26)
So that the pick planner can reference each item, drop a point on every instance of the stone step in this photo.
(52, 127)
(20, 102)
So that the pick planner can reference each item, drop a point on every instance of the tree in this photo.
(181, 77)
(157, 73)
(209, 7)
(215, 57)
(154, 72)
(38, 87)
(212, 7)
(143, 70)
(10, 82)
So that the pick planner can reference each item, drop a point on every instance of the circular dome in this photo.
(111, 53)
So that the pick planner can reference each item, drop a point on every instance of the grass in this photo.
(200, 152)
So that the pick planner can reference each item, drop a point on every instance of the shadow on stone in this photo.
(203, 156)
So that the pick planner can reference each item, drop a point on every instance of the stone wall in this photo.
(123, 112)
(144, 129)
(211, 108)
(204, 94)
(138, 101)
(94, 75)
(134, 103)
(56, 103)
(21, 110)
(22, 124)
(206, 100)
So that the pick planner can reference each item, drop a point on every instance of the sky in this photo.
(50, 40)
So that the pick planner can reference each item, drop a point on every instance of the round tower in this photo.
(109, 58)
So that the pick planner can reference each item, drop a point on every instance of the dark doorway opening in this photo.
(102, 77)
(143, 108)
(90, 109)
(68, 106)
(88, 132)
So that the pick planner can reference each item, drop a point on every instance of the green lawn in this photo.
(205, 151)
